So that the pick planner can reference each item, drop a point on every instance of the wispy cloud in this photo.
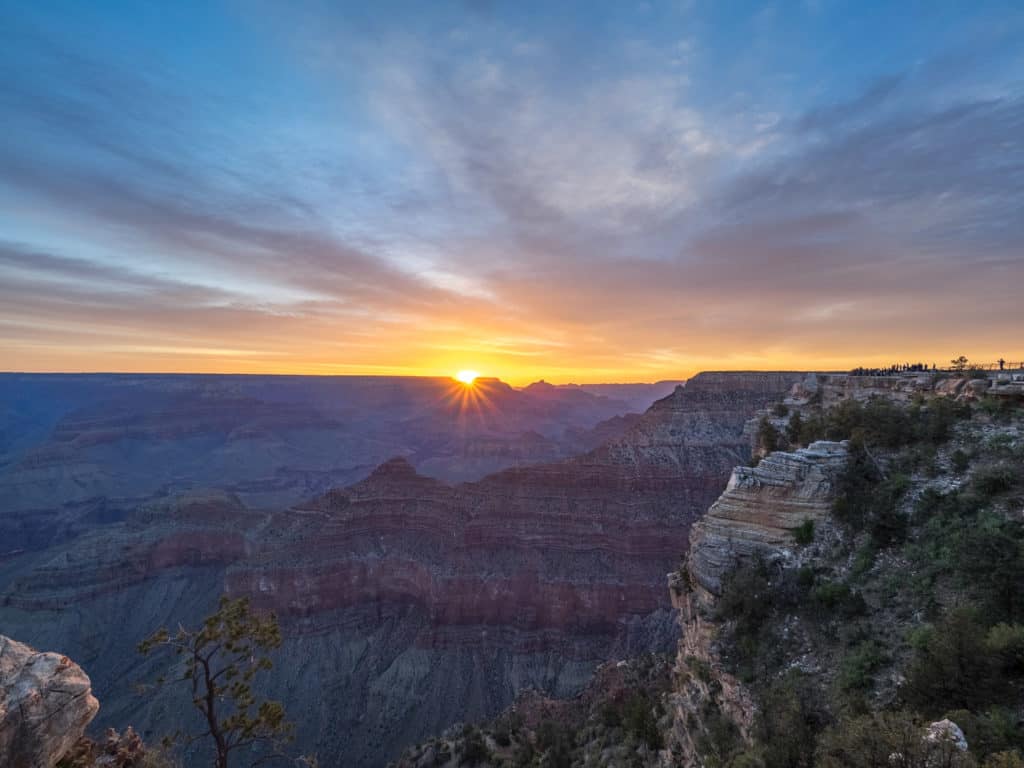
(413, 190)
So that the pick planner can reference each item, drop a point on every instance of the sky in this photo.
(594, 191)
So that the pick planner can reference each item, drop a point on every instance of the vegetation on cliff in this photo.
(618, 720)
(885, 632)
(912, 613)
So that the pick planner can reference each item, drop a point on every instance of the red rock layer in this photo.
(576, 546)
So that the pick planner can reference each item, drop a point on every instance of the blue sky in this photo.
(583, 191)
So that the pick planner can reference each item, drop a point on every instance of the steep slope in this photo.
(409, 604)
(848, 600)
(756, 517)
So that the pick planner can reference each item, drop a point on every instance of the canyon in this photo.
(754, 518)
(80, 451)
(407, 603)
(800, 620)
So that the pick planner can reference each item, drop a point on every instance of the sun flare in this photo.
(466, 377)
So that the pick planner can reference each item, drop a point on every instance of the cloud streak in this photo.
(503, 191)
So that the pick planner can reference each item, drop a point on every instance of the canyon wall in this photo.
(81, 451)
(407, 603)
(755, 517)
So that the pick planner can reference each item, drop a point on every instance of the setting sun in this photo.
(466, 377)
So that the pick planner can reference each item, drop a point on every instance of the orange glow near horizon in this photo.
(472, 404)
(434, 203)
(467, 377)
(575, 359)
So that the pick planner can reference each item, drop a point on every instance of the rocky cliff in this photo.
(841, 603)
(408, 603)
(761, 508)
(46, 702)
(755, 517)
(838, 597)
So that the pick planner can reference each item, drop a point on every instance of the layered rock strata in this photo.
(760, 509)
(407, 603)
(755, 517)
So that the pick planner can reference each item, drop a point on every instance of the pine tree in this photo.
(219, 662)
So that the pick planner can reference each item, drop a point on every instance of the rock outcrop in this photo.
(754, 517)
(46, 702)
(827, 389)
(761, 508)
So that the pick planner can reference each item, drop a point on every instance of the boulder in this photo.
(946, 732)
(46, 702)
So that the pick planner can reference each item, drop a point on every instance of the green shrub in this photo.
(747, 602)
(837, 597)
(502, 733)
(926, 505)
(887, 524)
(887, 424)
(768, 437)
(829, 594)
(746, 596)
(805, 578)
(953, 668)
(1006, 641)
(992, 731)
(472, 749)
(795, 429)
(855, 485)
(998, 408)
(858, 666)
(640, 720)
(701, 669)
(804, 533)
(1007, 759)
(870, 741)
(918, 638)
(961, 460)
(864, 559)
(997, 478)
(720, 739)
(556, 741)
(609, 715)
(1001, 444)
(989, 557)
(787, 730)
(867, 500)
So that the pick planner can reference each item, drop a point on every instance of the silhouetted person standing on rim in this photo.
(1002, 364)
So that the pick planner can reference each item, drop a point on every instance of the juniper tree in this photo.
(795, 429)
(218, 663)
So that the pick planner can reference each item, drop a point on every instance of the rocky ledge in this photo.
(46, 702)
(755, 516)
(761, 508)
